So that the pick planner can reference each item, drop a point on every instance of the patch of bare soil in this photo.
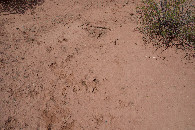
(81, 65)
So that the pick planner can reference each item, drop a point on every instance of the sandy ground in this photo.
(81, 65)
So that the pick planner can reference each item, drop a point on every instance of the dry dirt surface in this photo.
(81, 65)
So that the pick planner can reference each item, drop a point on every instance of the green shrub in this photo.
(168, 21)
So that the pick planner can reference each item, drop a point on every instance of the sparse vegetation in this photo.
(170, 22)
(18, 6)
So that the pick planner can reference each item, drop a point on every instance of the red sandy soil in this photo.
(81, 65)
